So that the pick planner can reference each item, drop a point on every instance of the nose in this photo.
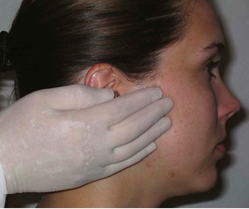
(229, 104)
(234, 106)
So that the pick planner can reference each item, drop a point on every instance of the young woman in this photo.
(128, 45)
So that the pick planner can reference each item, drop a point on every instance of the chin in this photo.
(204, 183)
(198, 183)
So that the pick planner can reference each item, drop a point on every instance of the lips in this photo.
(220, 146)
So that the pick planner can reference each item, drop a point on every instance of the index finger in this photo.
(124, 106)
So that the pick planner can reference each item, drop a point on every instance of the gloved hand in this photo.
(66, 137)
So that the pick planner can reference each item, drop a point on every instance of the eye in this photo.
(210, 67)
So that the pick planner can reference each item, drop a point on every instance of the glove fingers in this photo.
(114, 168)
(124, 106)
(134, 126)
(129, 150)
(75, 97)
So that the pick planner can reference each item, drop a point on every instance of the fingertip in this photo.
(165, 124)
(168, 103)
(152, 147)
(110, 93)
(154, 93)
(168, 121)
(157, 93)
(107, 94)
(171, 102)
(168, 100)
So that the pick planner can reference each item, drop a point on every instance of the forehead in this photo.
(204, 27)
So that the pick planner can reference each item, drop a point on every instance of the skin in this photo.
(186, 157)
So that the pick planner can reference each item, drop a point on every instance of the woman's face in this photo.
(187, 154)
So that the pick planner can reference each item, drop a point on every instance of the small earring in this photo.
(116, 94)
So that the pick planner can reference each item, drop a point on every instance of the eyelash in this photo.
(210, 67)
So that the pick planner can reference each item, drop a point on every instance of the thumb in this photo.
(75, 97)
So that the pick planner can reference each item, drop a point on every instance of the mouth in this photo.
(220, 146)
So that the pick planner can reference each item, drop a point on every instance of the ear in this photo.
(104, 75)
(100, 75)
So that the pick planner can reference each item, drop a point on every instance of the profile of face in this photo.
(186, 157)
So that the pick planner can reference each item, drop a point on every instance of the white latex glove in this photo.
(56, 139)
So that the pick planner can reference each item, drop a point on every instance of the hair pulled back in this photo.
(53, 41)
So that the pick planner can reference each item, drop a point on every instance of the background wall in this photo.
(232, 189)
(8, 9)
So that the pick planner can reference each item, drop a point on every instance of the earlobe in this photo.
(101, 76)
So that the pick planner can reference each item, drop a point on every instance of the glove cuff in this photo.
(3, 187)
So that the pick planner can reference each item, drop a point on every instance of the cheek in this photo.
(188, 145)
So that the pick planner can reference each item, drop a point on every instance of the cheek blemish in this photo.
(172, 175)
(148, 165)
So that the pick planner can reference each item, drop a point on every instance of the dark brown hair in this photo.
(52, 41)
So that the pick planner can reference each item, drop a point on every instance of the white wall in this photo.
(8, 9)
(232, 189)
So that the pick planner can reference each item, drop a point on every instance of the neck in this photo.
(129, 188)
(120, 191)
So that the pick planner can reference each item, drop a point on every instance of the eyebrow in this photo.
(221, 47)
